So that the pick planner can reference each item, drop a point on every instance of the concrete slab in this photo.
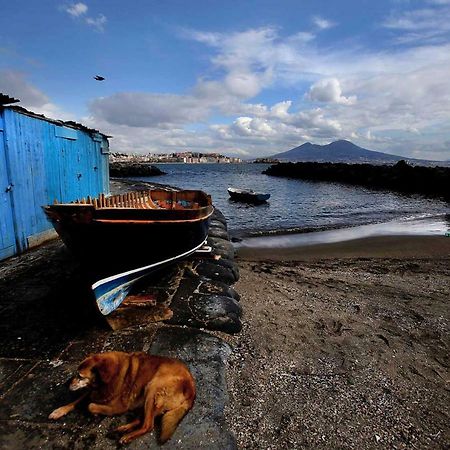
(24, 419)
(12, 370)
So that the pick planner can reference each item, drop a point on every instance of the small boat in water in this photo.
(247, 195)
(119, 239)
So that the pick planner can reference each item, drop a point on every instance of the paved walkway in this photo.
(48, 326)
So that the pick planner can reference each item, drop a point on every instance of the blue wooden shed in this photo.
(42, 160)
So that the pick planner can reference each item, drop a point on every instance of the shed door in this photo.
(7, 239)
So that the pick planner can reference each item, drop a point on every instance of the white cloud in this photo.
(322, 23)
(140, 109)
(79, 11)
(14, 84)
(329, 90)
(421, 25)
(76, 9)
(243, 84)
(98, 23)
(280, 110)
(247, 126)
(244, 56)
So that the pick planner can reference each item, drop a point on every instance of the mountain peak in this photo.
(337, 151)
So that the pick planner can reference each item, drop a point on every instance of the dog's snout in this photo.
(78, 383)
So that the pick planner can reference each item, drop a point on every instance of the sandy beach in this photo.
(344, 345)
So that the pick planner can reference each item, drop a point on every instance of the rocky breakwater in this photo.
(400, 177)
(205, 297)
(133, 169)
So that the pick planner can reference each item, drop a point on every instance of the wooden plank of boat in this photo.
(248, 195)
(122, 238)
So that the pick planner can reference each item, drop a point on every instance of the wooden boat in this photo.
(247, 195)
(121, 238)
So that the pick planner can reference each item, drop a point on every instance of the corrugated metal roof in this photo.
(69, 123)
(6, 99)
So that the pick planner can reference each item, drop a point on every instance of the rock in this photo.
(215, 271)
(195, 284)
(219, 217)
(216, 287)
(218, 232)
(221, 247)
(205, 299)
(123, 169)
(216, 224)
(401, 177)
(217, 312)
(231, 265)
(212, 312)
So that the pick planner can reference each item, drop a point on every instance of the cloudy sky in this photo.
(247, 77)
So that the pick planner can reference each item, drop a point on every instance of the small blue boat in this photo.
(120, 239)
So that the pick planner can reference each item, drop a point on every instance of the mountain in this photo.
(338, 151)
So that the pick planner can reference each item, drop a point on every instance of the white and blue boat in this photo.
(120, 239)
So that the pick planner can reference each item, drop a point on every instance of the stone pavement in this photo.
(48, 325)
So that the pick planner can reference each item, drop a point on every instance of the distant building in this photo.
(266, 161)
(42, 160)
(179, 157)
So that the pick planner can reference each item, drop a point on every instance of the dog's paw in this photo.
(124, 440)
(93, 408)
(58, 413)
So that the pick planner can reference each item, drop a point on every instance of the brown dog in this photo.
(119, 382)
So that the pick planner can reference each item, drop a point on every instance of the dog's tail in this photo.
(172, 418)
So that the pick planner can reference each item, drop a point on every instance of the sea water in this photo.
(297, 206)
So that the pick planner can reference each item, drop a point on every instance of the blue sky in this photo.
(248, 78)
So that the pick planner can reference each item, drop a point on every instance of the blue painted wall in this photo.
(41, 161)
(7, 235)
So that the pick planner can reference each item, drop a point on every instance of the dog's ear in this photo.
(107, 366)
(86, 366)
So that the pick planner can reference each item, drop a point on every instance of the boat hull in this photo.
(110, 292)
(122, 238)
(115, 255)
(247, 196)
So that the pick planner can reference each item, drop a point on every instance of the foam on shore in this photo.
(412, 238)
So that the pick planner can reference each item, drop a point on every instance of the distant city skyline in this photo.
(246, 79)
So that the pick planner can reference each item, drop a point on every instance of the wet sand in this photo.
(344, 345)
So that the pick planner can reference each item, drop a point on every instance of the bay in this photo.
(297, 205)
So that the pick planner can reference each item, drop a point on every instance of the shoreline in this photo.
(418, 224)
(406, 237)
(389, 246)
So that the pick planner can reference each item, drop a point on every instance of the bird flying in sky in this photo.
(99, 78)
